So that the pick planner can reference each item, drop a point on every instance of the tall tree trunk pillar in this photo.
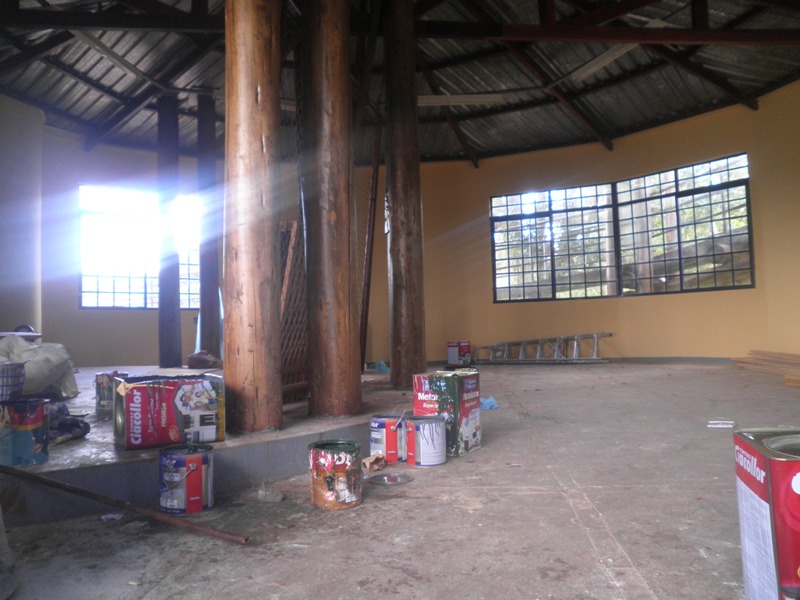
(169, 300)
(252, 278)
(211, 227)
(333, 325)
(406, 298)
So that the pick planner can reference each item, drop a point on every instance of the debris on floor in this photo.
(203, 360)
(488, 403)
(372, 463)
(268, 494)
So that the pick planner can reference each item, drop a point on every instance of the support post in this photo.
(406, 297)
(169, 301)
(211, 226)
(333, 324)
(252, 278)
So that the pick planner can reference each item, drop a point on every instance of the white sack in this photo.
(46, 364)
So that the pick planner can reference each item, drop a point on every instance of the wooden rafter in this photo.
(363, 70)
(701, 72)
(682, 59)
(150, 92)
(790, 5)
(547, 12)
(518, 52)
(36, 52)
(571, 31)
(448, 114)
(700, 14)
(607, 13)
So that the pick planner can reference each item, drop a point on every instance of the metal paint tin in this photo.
(335, 474)
(186, 479)
(426, 440)
(768, 493)
(104, 391)
(387, 435)
(24, 430)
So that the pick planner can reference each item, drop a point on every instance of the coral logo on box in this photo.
(471, 383)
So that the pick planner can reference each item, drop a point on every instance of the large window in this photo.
(686, 229)
(121, 233)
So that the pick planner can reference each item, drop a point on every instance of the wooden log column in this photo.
(406, 297)
(210, 330)
(333, 356)
(169, 301)
(252, 278)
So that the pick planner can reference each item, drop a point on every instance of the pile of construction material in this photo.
(777, 363)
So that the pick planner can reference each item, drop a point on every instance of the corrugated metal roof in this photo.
(556, 91)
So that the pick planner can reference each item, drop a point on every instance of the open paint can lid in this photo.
(390, 478)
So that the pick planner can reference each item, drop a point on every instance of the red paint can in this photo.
(387, 436)
(186, 479)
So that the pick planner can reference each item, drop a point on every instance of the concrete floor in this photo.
(595, 482)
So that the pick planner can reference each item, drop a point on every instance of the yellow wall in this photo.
(458, 292)
(458, 273)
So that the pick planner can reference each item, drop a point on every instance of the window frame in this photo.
(731, 194)
(140, 285)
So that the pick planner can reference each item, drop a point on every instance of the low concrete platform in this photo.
(594, 482)
(96, 464)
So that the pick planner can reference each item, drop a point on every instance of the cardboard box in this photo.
(458, 353)
(157, 411)
(456, 395)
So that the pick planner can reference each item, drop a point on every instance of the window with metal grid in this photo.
(687, 229)
(121, 237)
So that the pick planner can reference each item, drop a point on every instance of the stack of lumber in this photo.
(777, 363)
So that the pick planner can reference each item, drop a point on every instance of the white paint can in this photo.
(426, 440)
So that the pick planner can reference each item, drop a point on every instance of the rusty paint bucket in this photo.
(335, 474)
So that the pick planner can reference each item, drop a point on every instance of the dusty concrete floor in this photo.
(595, 482)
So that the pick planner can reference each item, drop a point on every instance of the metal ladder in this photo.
(561, 349)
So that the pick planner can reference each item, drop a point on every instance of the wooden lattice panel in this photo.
(294, 338)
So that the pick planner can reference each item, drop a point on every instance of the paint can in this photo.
(24, 429)
(186, 479)
(335, 474)
(426, 440)
(387, 435)
(104, 391)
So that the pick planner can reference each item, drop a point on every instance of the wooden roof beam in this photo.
(152, 91)
(518, 52)
(682, 60)
(547, 12)
(607, 13)
(702, 73)
(790, 5)
(423, 7)
(36, 52)
(448, 114)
